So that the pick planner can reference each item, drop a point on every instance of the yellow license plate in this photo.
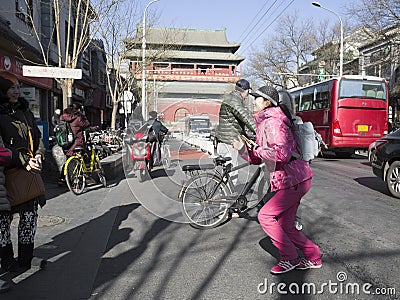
(362, 128)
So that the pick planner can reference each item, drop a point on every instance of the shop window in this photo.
(24, 10)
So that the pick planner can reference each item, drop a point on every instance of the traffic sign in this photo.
(51, 72)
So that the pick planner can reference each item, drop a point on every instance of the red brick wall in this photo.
(193, 107)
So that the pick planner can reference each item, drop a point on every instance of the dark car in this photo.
(385, 161)
(371, 150)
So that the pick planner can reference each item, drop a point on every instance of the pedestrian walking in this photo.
(78, 123)
(21, 135)
(291, 178)
(234, 119)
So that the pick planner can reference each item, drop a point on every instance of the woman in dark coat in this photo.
(17, 125)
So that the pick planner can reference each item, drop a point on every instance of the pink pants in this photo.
(277, 219)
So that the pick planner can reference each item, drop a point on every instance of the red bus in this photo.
(350, 112)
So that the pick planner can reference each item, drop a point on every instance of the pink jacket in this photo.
(275, 144)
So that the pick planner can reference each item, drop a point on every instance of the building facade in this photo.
(188, 71)
(21, 22)
(379, 56)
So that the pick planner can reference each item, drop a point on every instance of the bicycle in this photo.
(208, 197)
(82, 165)
(165, 155)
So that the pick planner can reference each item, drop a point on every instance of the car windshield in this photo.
(199, 124)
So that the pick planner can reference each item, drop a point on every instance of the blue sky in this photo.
(238, 17)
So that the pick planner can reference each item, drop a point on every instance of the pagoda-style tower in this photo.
(188, 71)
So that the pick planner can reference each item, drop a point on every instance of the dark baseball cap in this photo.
(243, 84)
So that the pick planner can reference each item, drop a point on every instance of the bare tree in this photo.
(74, 22)
(121, 36)
(376, 15)
(285, 52)
(116, 27)
(381, 20)
(292, 55)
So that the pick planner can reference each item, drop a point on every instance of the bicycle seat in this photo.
(221, 160)
(78, 150)
(197, 167)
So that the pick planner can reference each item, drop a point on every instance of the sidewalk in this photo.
(71, 236)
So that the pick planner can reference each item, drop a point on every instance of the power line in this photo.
(269, 25)
(259, 12)
(259, 20)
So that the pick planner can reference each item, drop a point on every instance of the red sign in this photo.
(11, 64)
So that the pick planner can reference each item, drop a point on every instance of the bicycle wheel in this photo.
(200, 206)
(256, 193)
(261, 191)
(100, 172)
(166, 156)
(74, 175)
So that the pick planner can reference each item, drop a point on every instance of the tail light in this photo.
(386, 129)
(336, 128)
(380, 143)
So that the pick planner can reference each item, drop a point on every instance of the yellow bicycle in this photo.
(81, 166)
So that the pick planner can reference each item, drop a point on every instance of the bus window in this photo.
(198, 125)
(318, 101)
(325, 99)
(360, 89)
(322, 97)
(306, 104)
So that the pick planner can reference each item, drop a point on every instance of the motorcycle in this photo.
(138, 154)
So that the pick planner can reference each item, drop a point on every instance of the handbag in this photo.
(22, 186)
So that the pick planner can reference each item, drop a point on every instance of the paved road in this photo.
(109, 246)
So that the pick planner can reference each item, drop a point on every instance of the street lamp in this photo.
(144, 113)
(341, 35)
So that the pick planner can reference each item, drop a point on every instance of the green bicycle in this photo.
(81, 166)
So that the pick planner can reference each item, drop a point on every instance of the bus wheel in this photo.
(344, 154)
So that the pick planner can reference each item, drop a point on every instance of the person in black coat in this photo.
(156, 134)
(22, 136)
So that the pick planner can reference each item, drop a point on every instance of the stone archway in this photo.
(180, 114)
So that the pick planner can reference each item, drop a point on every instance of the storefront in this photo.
(35, 89)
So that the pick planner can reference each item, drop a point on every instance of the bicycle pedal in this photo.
(242, 209)
(235, 215)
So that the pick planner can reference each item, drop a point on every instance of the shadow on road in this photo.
(72, 259)
(373, 183)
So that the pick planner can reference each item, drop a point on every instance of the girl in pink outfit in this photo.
(291, 179)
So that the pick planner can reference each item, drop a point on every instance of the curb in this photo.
(112, 165)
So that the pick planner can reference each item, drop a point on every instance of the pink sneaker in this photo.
(306, 264)
(285, 266)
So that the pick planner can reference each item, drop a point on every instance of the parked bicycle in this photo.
(81, 166)
(208, 198)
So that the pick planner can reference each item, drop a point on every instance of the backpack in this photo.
(64, 135)
(307, 139)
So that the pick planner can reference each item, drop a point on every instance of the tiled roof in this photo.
(185, 37)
